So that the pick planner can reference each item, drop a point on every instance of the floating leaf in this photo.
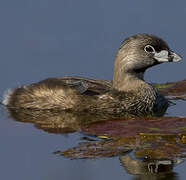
(175, 90)
(135, 126)
(150, 137)
(99, 149)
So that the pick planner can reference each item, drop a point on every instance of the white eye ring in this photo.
(149, 49)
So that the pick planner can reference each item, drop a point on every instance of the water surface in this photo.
(43, 38)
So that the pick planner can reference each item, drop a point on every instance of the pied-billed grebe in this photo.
(127, 95)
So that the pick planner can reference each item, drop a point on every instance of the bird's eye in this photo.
(149, 49)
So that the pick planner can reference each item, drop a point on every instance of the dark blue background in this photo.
(48, 38)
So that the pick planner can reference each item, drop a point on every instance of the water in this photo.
(43, 38)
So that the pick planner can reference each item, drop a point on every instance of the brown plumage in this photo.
(127, 95)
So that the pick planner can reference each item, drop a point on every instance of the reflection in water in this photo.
(152, 169)
(68, 122)
(55, 121)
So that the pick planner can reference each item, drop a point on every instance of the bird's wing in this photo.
(82, 85)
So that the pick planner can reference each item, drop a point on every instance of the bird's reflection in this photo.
(153, 169)
(55, 121)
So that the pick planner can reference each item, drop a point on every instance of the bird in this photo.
(127, 95)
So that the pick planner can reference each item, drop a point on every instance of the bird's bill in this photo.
(167, 56)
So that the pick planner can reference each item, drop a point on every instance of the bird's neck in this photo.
(128, 81)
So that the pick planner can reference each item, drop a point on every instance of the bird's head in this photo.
(139, 52)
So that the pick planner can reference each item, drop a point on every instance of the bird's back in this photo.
(55, 93)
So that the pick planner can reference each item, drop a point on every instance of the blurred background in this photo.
(53, 38)
(45, 38)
